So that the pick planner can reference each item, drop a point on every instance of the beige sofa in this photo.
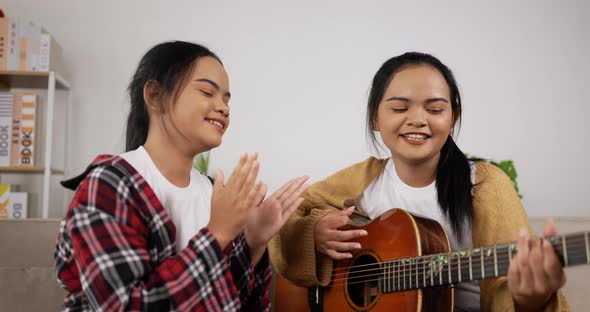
(27, 276)
(28, 283)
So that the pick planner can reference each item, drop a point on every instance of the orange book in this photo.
(23, 129)
(3, 42)
(27, 129)
(13, 44)
(22, 56)
(15, 135)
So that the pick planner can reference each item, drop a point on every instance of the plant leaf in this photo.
(202, 163)
(505, 165)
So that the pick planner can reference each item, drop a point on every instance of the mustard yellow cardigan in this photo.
(498, 218)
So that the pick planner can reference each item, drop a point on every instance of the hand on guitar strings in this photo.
(535, 273)
(333, 242)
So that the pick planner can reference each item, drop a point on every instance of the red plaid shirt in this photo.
(116, 251)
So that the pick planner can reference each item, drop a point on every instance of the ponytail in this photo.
(139, 119)
(454, 185)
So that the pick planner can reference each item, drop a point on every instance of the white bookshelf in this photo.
(49, 81)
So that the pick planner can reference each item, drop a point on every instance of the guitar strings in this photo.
(412, 267)
(400, 279)
(573, 242)
(444, 270)
(501, 250)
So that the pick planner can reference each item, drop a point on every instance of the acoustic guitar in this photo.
(406, 265)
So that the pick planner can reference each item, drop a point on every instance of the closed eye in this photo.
(436, 111)
(208, 94)
(399, 109)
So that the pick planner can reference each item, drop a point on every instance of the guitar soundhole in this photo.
(362, 283)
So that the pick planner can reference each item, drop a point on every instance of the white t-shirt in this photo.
(188, 207)
(389, 191)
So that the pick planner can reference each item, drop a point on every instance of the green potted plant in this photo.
(201, 163)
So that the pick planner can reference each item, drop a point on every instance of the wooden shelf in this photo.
(32, 170)
(30, 80)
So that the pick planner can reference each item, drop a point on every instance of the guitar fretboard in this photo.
(472, 264)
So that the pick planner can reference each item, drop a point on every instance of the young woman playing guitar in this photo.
(414, 104)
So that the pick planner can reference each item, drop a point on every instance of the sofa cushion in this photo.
(27, 275)
(29, 289)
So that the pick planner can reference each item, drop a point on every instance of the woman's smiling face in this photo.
(415, 117)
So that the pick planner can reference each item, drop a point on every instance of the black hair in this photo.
(453, 177)
(169, 64)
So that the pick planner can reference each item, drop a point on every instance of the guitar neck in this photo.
(472, 264)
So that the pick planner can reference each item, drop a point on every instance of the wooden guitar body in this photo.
(354, 287)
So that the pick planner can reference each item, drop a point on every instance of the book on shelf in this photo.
(26, 138)
(50, 58)
(13, 46)
(3, 41)
(31, 35)
(4, 200)
(18, 115)
(6, 100)
(13, 205)
(18, 202)
(27, 46)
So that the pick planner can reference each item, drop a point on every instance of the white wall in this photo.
(300, 73)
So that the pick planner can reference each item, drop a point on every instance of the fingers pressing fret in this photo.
(535, 273)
